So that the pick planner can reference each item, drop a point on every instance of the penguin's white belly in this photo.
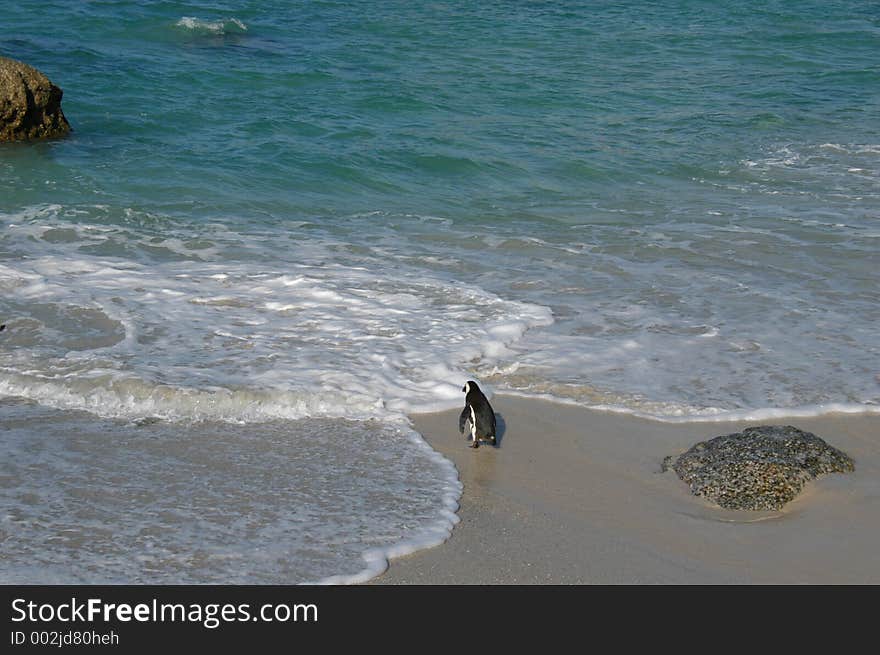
(473, 423)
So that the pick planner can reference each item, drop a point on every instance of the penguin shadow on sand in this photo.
(500, 429)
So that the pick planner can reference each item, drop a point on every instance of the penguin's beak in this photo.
(464, 388)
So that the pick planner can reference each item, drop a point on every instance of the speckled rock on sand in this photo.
(760, 468)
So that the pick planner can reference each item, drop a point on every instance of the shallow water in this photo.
(93, 501)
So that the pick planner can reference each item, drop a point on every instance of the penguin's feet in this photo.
(475, 443)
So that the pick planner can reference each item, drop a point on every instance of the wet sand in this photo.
(575, 496)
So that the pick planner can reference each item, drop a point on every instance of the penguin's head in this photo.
(469, 386)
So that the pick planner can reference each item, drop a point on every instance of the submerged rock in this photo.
(30, 105)
(760, 468)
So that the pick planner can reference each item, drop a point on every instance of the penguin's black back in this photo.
(483, 411)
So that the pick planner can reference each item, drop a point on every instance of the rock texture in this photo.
(30, 105)
(760, 468)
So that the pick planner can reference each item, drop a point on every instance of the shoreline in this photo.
(575, 496)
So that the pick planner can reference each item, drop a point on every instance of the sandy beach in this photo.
(574, 496)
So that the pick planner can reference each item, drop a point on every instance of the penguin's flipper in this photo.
(463, 420)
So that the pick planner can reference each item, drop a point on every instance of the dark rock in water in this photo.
(30, 105)
(760, 468)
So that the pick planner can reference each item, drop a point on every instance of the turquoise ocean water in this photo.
(279, 227)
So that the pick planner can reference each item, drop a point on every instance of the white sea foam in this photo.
(241, 341)
(384, 330)
(221, 26)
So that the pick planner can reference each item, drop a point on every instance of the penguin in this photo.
(477, 419)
